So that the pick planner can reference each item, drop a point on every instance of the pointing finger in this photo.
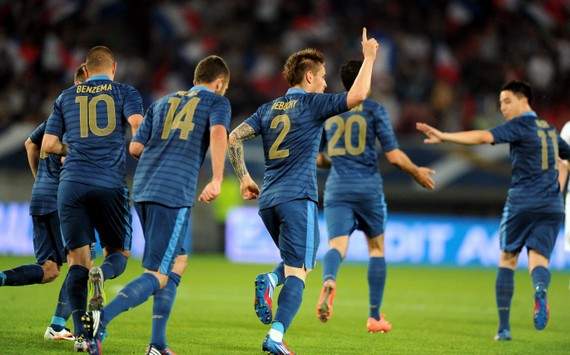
(364, 35)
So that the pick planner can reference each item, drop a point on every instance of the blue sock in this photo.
(62, 310)
(22, 275)
(331, 263)
(278, 274)
(77, 295)
(289, 301)
(376, 282)
(114, 265)
(163, 302)
(504, 287)
(540, 278)
(135, 293)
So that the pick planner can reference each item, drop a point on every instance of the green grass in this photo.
(433, 311)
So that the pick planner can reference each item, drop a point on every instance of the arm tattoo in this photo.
(242, 133)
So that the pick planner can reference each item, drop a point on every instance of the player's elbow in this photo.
(136, 149)
(394, 157)
(219, 132)
(50, 144)
(135, 121)
(487, 138)
(355, 97)
(30, 146)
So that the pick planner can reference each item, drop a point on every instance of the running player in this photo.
(534, 211)
(171, 143)
(92, 193)
(354, 197)
(291, 129)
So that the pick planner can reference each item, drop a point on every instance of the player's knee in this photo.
(508, 260)
(180, 264)
(340, 244)
(51, 271)
(376, 247)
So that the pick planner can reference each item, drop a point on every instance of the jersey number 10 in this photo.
(88, 115)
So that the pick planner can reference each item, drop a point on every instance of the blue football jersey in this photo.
(93, 116)
(534, 148)
(44, 191)
(291, 129)
(176, 134)
(350, 142)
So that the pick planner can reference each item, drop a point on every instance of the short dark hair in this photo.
(210, 68)
(349, 72)
(519, 88)
(299, 63)
(80, 73)
(99, 57)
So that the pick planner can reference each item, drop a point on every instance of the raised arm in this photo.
(435, 136)
(243, 132)
(218, 146)
(361, 86)
(422, 175)
(33, 153)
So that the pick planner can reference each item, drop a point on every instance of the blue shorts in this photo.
(48, 242)
(166, 234)
(294, 227)
(343, 218)
(83, 208)
(537, 231)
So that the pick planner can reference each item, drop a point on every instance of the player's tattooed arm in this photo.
(240, 134)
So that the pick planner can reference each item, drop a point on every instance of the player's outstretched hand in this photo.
(249, 189)
(434, 136)
(211, 191)
(424, 177)
(369, 45)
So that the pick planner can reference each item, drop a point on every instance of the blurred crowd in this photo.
(441, 61)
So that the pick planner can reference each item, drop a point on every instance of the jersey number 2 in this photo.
(182, 120)
(274, 151)
(88, 115)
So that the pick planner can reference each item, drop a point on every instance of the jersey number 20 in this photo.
(346, 128)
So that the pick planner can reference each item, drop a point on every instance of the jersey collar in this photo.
(295, 91)
(529, 113)
(99, 77)
(201, 87)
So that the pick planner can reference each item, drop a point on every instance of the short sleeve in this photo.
(221, 113)
(509, 132)
(55, 124)
(563, 148)
(254, 121)
(328, 105)
(144, 132)
(133, 104)
(565, 133)
(383, 129)
(38, 134)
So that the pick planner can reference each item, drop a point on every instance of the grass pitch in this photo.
(433, 311)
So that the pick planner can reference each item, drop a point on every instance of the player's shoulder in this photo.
(124, 87)
(370, 105)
